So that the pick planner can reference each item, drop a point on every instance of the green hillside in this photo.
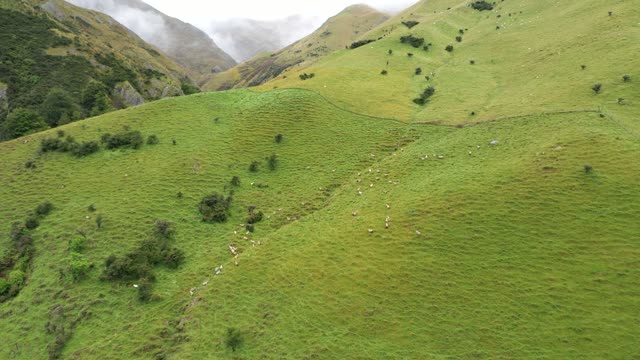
(389, 230)
(66, 63)
(336, 33)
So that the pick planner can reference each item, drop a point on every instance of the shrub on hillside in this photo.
(360, 43)
(626, 78)
(164, 229)
(416, 42)
(78, 265)
(44, 209)
(418, 71)
(588, 169)
(153, 140)
(234, 339)
(127, 139)
(173, 257)
(272, 162)
(253, 167)
(449, 48)
(459, 38)
(84, 149)
(235, 181)
(424, 97)
(278, 138)
(384, 72)
(482, 5)
(215, 208)
(32, 223)
(410, 23)
(597, 88)
(21, 122)
(306, 76)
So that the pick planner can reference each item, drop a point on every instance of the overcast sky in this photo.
(201, 12)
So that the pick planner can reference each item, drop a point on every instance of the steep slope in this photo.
(509, 236)
(520, 61)
(186, 44)
(67, 63)
(338, 32)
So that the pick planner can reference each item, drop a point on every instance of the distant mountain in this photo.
(186, 44)
(246, 38)
(336, 33)
(60, 63)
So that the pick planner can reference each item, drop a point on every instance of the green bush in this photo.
(360, 43)
(188, 88)
(235, 181)
(153, 140)
(459, 38)
(17, 278)
(234, 339)
(127, 139)
(32, 223)
(78, 266)
(253, 167)
(449, 48)
(164, 229)
(76, 244)
(278, 138)
(306, 76)
(4, 286)
(384, 72)
(44, 209)
(410, 23)
(59, 108)
(626, 78)
(272, 162)
(424, 97)
(482, 5)
(418, 71)
(597, 88)
(416, 42)
(85, 149)
(215, 208)
(254, 217)
(144, 290)
(173, 257)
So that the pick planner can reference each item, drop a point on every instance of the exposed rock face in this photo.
(4, 99)
(126, 94)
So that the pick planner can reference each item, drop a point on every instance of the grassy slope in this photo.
(532, 64)
(338, 32)
(521, 254)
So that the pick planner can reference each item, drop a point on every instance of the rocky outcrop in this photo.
(4, 98)
(126, 95)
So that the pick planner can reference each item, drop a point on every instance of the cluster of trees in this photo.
(68, 144)
(410, 23)
(424, 97)
(416, 42)
(482, 5)
(306, 76)
(360, 43)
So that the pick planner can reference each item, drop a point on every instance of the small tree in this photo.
(164, 229)
(44, 208)
(278, 138)
(234, 339)
(153, 140)
(418, 71)
(235, 181)
(384, 72)
(21, 122)
(597, 88)
(626, 78)
(459, 38)
(449, 48)
(214, 208)
(390, 52)
(253, 167)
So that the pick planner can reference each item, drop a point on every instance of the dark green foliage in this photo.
(85, 149)
(588, 169)
(461, 31)
(30, 165)
(254, 217)
(127, 139)
(410, 23)
(306, 76)
(188, 88)
(91, 208)
(253, 167)
(99, 221)
(424, 97)
(118, 72)
(250, 227)
(144, 290)
(124, 268)
(21, 122)
(472, 62)
(597, 88)
(153, 140)
(384, 72)
(418, 71)
(390, 52)
(215, 208)
(459, 38)
(449, 48)
(164, 229)
(425, 48)
(44, 209)
(78, 265)
(583, 67)
(416, 42)
(59, 108)
(272, 162)
(279, 138)
(32, 222)
(235, 181)
(482, 5)
(360, 43)
(60, 133)
(173, 257)
(95, 99)
(234, 339)
(410, 54)
(626, 78)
